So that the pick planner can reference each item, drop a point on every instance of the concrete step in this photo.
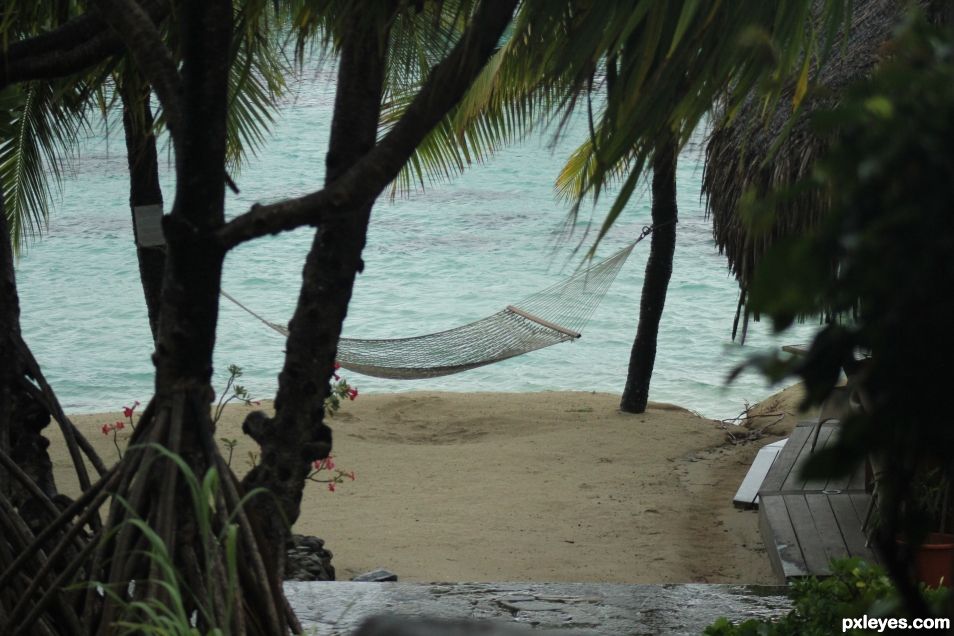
(505, 609)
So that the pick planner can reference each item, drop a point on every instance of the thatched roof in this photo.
(736, 155)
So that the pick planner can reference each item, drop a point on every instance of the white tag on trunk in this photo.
(148, 221)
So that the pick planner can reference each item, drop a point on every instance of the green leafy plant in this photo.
(855, 589)
(182, 609)
(340, 390)
(113, 430)
(931, 499)
(928, 507)
(233, 392)
(878, 267)
(114, 427)
(251, 459)
(333, 475)
(229, 443)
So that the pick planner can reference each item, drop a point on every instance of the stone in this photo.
(531, 606)
(577, 609)
(376, 576)
(408, 626)
(307, 559)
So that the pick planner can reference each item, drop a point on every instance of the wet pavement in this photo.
(569, 609)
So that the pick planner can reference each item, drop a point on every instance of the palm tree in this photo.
(658, 271)
(553, 64)
(139, 128)
(666, 64)
(360, 166)
(256, 84)
(644, 74)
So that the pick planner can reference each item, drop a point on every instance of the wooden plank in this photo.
(850, 524)
(826, 436)
(837, 405)
(829, 530)
(748, 493)
(783, 463)
(857, 481)
(545, 323)
(778, 535)
(824, 431)
(840, 484)
(810, 542)
(860, 501)
(795, 481)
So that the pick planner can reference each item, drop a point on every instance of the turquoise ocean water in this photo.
(446, 256)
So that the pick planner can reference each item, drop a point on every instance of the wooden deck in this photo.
(805, 523)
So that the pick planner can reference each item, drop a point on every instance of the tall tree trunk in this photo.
(297, 435)
(656, 282)
(178, 418)
(144, 189)
(9, 330)
(22, 417)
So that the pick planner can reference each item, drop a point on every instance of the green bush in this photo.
(855, 589)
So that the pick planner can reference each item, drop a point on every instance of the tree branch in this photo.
(76, 32)
(363, 183)
(71, 48)
(134, 26)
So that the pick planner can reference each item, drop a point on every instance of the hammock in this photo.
(556, 314)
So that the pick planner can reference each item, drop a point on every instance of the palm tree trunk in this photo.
(144, 186)
(656, 281)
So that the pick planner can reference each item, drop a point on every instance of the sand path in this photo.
(554, 486)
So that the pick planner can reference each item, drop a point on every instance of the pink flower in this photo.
(119, 426)
(106, 428)
(337, 365)
(128, 410)
(352, 393)
(331, 486)
(324, 464)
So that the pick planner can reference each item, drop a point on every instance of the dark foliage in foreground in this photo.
(881, 261)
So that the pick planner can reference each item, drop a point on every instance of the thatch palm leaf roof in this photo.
(742, 158)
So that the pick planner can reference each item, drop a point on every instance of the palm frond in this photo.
(659, 68)
(654, 67)
(256, 84)
(37, 139)
(505, 103)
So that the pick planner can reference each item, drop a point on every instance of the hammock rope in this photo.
(551, 316)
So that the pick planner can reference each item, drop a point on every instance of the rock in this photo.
(578, 609)
(414, 626)
(376, 576)
(307, 559)
(530, 606)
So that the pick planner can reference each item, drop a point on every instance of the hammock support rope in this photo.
(551, 316)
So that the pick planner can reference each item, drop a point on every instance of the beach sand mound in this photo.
(553, 486)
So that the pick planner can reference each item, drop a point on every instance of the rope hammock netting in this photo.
(551, 316)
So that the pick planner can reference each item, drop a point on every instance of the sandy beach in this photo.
(554, 486)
